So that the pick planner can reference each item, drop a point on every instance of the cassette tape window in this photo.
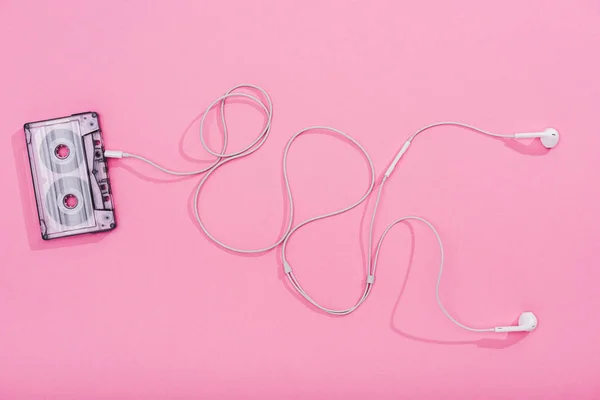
(70, 175)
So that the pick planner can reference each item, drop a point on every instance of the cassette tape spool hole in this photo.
(62, 151)
(70, 201)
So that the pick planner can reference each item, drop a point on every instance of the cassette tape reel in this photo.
(70, 175)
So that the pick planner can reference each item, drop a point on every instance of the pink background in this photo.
(153, 310)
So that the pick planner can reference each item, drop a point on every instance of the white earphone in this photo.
(549, 138)
(527, 323)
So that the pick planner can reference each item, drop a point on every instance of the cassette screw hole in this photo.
(70, 201)
(62, 151)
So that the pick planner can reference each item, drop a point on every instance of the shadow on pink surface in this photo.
(528, 147)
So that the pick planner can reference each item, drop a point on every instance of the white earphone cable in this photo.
(459, 124)
(222, 157)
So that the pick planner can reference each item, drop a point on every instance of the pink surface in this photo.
(153, 310)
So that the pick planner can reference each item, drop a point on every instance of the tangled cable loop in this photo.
(223, 157)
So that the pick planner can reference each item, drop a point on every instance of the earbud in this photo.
(527, 323)
(549, 137)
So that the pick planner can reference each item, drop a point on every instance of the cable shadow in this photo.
(187, 131)
(510, 339)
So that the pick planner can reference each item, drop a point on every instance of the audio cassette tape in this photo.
(70, 175)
